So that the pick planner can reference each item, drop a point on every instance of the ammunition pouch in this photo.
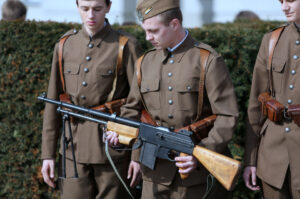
(200, 128)
(271, 107)
(276, 112)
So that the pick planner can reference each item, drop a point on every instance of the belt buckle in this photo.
(286, 115)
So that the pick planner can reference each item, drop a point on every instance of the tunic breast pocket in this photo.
(150, 93)
(71, 75)
(104, 77)
(278, 73)
(187, 92)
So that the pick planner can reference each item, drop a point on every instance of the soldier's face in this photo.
(291, 9)
(92, 14)
(160, 35)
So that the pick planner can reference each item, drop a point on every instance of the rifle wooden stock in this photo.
(223, 168)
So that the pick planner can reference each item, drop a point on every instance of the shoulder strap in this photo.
(272, 43)
(138, 69)
(60, 60)
(122, 43)
(204, 54)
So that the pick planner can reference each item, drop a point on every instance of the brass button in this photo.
(170, 74)
(86, 70)
(291, 87)
(91, 45)
(297, 42)
(295, 57)
(170, 102)
(75, 31)
(290, 101)
(170, 116)
(172, 61)
(287, 130)
(172, 128)
(189, 88)
(110, 72)
(83, 97)
(84, 84)
(88, 58)
(170, 88)
(293, 72)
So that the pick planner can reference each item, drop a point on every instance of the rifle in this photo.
(156, 142)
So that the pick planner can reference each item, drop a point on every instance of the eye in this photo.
(97, 9)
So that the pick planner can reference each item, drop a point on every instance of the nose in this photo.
(284, 6)
(91, 14)
(149, 36)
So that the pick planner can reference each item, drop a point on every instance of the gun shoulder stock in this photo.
(226, 170)
(127, 134)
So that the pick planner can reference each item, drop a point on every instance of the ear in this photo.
(175, 24)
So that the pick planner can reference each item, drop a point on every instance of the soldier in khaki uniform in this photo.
(90, 56)
(272, 148)
(169, 89)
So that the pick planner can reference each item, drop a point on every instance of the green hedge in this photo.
(25, 61)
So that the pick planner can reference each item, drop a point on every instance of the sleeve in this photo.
(223, 102)
(260, 84)
(52, 122)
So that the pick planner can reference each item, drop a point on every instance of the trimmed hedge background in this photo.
(25, 59)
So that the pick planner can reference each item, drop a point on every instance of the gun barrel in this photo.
(94, 113)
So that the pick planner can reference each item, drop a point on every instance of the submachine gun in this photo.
(156, 142)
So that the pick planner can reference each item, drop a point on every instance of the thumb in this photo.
(51, 171)
(129, 172)
(253, 178)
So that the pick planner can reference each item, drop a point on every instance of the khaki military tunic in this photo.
(269, 146)
(169, 87)
(89, 70)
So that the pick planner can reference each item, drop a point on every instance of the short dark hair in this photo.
(106, 1)
(13, 10)
(169, 15)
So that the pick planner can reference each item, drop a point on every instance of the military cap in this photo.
(150, 8)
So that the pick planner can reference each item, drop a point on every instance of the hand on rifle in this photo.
(250, 178)
(187, 164)
(48, 172)
(112, 138)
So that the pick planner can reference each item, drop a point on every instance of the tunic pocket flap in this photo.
(278, 65)
(149, 86)
(105, 71)
(72, 69)
(191, 85)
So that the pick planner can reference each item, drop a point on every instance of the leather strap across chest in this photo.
(204, 54)
(272, 44)
(122, 43)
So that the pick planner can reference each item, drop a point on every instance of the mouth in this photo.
(288, 14)
(91, 23)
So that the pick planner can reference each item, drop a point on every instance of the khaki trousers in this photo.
(177, 191)
(96, 181)
(286, 192)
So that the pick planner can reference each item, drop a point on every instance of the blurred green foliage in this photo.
(25, 59)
